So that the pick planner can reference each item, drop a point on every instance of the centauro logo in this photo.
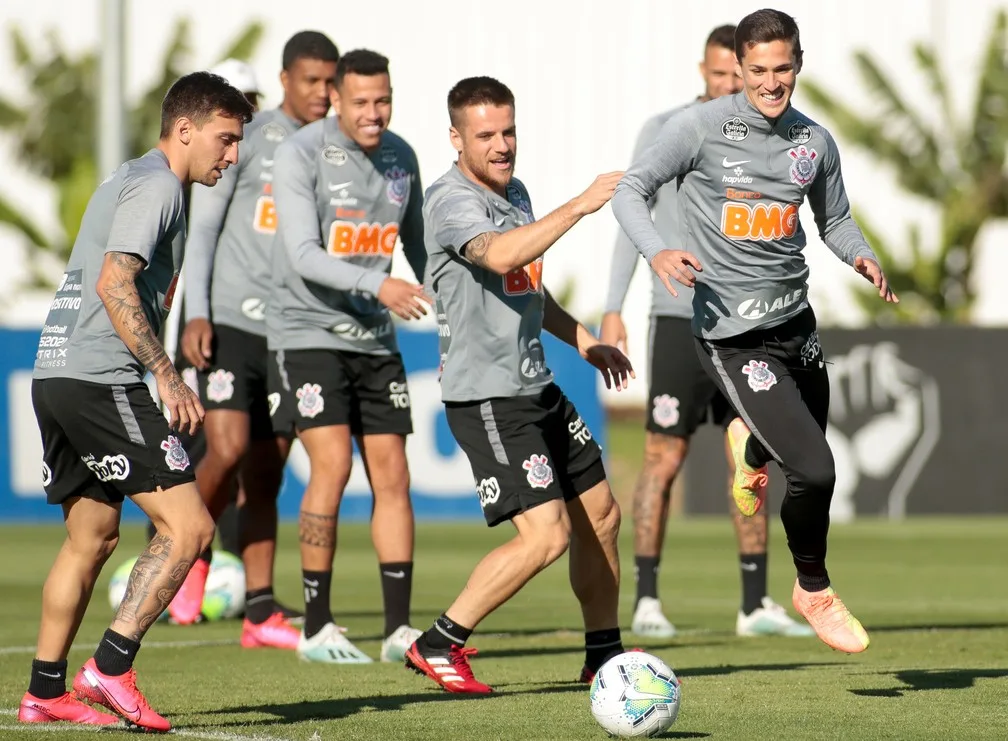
(761, 222)
(524, 280)
(346, 238)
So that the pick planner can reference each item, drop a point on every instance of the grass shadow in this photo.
(912, 628)
(916, 680)
(721, 670)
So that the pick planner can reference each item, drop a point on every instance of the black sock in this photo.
(397, 587)
(754, 580)
(48, 679)
(444, 634)
(813, 577)
(756, 456)
(316, 599)
(259, 605)
(600, 646)
(207, 555)
(646, 570)
(115, 654)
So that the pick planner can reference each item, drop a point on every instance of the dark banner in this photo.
(916, 425)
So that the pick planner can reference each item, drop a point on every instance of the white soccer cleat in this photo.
(770, 620)
(650, 621)
(393, 648)
(330, 646)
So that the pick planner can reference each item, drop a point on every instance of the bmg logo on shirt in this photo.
(348, 238)
(524, 280)
(761, 222)
(264, 220)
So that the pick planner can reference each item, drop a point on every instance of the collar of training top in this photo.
(752, 115)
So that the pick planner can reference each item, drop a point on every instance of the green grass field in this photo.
(931, 592)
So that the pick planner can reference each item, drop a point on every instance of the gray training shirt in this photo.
(138, 210)
(742, 179)
(340, 211)
(489, 325)
(665, 212)
(231, 228)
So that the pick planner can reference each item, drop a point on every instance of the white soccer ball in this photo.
(225, 589)
(635, 694)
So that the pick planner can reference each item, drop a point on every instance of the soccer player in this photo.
(103, 438)
(534, 461)
(346, 188)
(746, 162)
(681, 396)
(228, 281)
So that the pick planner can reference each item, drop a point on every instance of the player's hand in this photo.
(613, 331)
(873, 274)
(197, 343)
(614, 365)
(184, 409)
(407, 300)
(598, 193)
(675, 265)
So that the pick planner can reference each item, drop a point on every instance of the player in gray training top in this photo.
(534, 461)
(746, 162)
(346, 188)
(231, 232)
(681, 397)
(103, 438)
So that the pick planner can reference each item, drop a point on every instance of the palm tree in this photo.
(56, 128)
(957, 165)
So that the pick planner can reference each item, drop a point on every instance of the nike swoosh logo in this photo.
(340, 186)
(726, 163)
(748, 566)
(123, 651)
(265, 162)
(310, 583)
(51, 676)
(133, 714)
(395, 574)
(500, 222)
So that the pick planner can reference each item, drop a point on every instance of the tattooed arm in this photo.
(502, 252)
(118, 292)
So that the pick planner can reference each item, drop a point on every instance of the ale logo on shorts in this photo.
(539, 475)
(489, 491)
(220, 385)
(803, 168)
(274, 402)
(175, 455)
(310, 401)
(666, 410)
(46, 474)
(397, 186)
(761, 378)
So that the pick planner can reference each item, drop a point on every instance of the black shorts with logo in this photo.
(321, 388)
(681, 396)
(237, 378)
(525, 451)
(105, 442)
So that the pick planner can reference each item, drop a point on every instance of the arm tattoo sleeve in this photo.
(122, 302)
(476, 249)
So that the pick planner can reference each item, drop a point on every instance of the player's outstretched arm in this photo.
(117, 290)
(614, 365)
(503, 252)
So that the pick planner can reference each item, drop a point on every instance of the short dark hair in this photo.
(723, 37)
(309, 45)
(764, 26)
(200, 95)
(477, 91)
(361, 62)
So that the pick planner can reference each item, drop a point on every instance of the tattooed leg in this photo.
(663, 456)
(330, 453)
(156, 577)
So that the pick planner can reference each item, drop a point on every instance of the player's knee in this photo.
(549, 543)
(225, 449)
(95, 547)
(817, 474)
(203, 531)
(607, 525)
(663, 457)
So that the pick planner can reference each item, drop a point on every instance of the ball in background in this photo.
(635, 694)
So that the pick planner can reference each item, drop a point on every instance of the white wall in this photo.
(586, 76)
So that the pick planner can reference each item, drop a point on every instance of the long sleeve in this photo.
(298, 226)
(412, 232)
(208, 207)
(828, 199)
(668, 158)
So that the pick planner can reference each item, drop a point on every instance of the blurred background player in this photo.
(533, 459)
(227, 286)
(681, 397)
(103, 437)
(345, 189)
